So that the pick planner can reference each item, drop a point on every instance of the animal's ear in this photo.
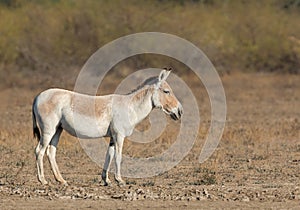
(163, 75)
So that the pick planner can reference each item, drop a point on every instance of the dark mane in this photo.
(149, 81)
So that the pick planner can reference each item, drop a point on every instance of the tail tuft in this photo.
(36, 130)
(36, 133)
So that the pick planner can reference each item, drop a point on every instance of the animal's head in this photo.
(164, 98)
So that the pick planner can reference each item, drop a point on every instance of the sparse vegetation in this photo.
(204, 176)
(207, 179)
(244, 35)
(148, 183)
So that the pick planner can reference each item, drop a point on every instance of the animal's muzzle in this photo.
(177, 114)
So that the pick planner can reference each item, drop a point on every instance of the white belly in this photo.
(84, 126)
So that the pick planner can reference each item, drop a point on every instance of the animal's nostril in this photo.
(179, 111)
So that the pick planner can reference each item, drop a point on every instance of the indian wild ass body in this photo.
(116, 116)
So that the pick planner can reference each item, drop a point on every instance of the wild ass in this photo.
(116, 115)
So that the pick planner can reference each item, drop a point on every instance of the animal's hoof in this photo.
(121, 184)
(64, 183)
(44, 182)
(61, 181)
(106, 182)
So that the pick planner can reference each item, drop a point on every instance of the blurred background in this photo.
(45, 39)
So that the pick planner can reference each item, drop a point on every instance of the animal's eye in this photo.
(166, 91)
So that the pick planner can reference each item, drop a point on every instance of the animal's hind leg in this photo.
(109, 155)
(51, 152)
(40, 152)
(37, 151)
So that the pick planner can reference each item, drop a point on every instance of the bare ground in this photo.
(256, 165)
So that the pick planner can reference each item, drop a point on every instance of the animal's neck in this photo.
(142, 103)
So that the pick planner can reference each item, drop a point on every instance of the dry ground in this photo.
(256, 165)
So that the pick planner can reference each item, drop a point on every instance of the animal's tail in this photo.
(35, 128)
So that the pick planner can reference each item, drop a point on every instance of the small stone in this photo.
(118, 196)
(140, 191)
(65, 197)
(246, 199)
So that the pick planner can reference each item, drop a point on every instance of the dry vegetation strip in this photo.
(255, 35)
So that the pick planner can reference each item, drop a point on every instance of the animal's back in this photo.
(79, 114)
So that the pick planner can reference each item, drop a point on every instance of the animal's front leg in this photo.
(109, 155)
(118, 159)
